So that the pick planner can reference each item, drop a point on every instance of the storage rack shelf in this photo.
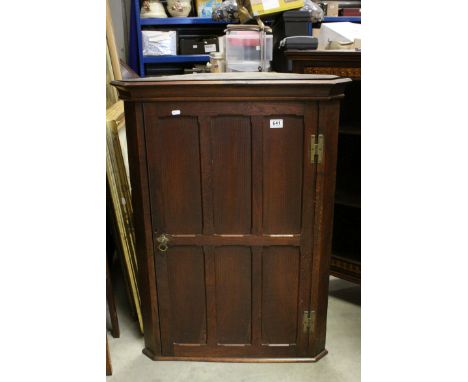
(176, 59)
(181, 21)
(207, 20)
(334, 19)
(136, 59)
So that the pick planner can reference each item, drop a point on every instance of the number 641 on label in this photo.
(276, 123)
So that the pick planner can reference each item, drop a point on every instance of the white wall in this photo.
(120, 11)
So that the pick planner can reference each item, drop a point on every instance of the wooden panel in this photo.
(210, 282)
(220, 108)
(233, 294)
(186, 279)
(282, 175)
(137, 160)
(257, 175)
(233, 353)
(174, 174)
(308, 208)
(248, 240)
(257, 296)
(280, 295)
(206, 174)
(231, 158)
(324, 190)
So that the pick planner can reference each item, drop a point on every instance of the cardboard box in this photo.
(332, 9)
(340, 35)
(267, 7)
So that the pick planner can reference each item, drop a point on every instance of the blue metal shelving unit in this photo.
(136, 59)
(181, 21)
(176, 59)
(334, 19)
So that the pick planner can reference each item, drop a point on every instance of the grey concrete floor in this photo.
(342, 364)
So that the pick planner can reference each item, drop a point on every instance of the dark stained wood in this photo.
(238, 359)
(338, 63)
(188, 320)
(208, 227)
(280, 295)
(309, 201)
(282, 175)
(207, 175)
(257, 175)
(174, 174)
(219, 108)
(231, 158)
(115, 331)
(233, 239)
(143, 227)
(324, 191)
(345, 269)
(211, 297)
(240, 203)
(181, 91)
(233, 294)
(164, 305)
(345, 262)
(257, 296)
(235, 350)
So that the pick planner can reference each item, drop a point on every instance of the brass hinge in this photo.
(308, 320)
(316, 149)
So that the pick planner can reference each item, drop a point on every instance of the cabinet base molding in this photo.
(319, 356)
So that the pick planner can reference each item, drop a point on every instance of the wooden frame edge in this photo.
(154, 357)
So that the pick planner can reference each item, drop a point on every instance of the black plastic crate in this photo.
(198, 45)
(297, 23)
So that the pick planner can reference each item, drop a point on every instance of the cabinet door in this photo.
(231, 188)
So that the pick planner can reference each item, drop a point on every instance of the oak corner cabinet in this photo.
(233, 177)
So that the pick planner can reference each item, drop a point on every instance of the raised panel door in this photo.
(234, 195)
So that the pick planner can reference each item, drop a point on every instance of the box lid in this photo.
(304, 16)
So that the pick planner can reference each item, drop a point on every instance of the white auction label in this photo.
(210, 48)
(175, 112)
(276, 123)
(270, 4)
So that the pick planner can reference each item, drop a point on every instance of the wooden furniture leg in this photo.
(108, 360)
(115, 331)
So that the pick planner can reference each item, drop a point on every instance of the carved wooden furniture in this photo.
(233, 177)
(346, 259)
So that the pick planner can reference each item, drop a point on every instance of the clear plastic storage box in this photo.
(248, 48)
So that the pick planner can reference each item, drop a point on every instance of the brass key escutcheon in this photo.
(163, 240)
